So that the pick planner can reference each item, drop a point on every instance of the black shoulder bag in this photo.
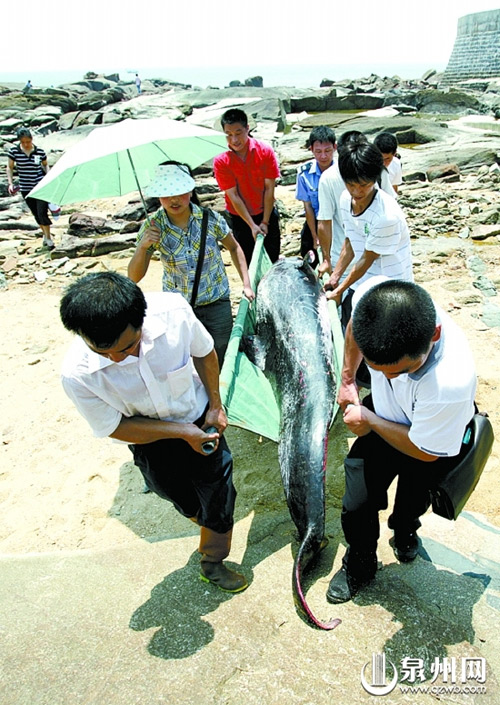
(454, 489)
(201, 256)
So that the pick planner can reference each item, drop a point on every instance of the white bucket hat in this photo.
(170, 180)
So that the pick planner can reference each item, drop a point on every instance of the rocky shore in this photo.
(448, 136)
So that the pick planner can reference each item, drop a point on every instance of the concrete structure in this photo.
(476, 52)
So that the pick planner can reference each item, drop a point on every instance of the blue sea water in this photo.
(299, 76)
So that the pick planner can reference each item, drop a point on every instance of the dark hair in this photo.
(386, 142)
(232, 116)
(194, 196)
(350, 135)
(322, 133)
(101, 306)
(394, 319)
(360, 161)
(23, 132)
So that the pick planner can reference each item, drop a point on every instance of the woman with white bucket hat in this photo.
(175, 230)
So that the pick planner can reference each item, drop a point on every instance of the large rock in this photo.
(94, 84)
(48, 127)
(442, 170)
(40, 119)
(482, 232)
(114, 115)
(446, 101)
(81, 225)
(92, 101)
(256, 81)
(9, 126)
(67, 121)
(27, 101)
(135, 211)
(272, 109)
(91, 247)
(88, 117)
(355, 101)
(409, 130)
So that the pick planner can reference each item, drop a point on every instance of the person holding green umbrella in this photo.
(175, 230)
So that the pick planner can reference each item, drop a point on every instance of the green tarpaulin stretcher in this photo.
(246, 393)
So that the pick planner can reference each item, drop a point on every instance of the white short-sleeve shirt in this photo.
(161, 383)
(395, 172)
(330, 189)
(381, 228)
(436, 401)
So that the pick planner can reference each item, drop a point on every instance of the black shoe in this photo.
(343, 587)
(405, 546)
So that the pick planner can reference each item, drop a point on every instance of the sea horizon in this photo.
(298, 76)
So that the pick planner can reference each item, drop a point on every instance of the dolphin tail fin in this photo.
(301, 559)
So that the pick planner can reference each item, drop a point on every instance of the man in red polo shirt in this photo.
(247, 173)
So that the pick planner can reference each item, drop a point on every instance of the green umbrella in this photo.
(120, 158)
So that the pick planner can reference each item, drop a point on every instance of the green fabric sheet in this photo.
(246, 393)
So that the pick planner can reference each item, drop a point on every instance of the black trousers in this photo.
(40, 209)
(370, 467)
(218, 320)
(243, 235)
(198, 485)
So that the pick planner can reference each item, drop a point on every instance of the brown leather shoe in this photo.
(225, 579)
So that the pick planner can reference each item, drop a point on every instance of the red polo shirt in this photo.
(249, 175)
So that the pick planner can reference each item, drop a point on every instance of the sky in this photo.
(102, 35)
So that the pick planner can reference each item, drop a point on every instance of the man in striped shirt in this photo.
(32, 165)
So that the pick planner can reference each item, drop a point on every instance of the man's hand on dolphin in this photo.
(334, 295)
(324, 267)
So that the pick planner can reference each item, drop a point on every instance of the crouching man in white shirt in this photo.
(143, 370)
(412, 427)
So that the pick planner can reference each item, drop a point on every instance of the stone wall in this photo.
(476, 52)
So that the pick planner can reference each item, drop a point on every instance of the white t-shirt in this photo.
(437, 400)
(160, 384)
(395, 172)
(331, 187)
(381, 228)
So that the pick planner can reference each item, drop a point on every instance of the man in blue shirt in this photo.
(322, 144)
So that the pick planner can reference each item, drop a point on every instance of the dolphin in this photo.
(293, 347)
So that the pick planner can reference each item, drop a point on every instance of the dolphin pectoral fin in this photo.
(255, 350)
(299, 598)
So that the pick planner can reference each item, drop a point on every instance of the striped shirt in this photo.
(179, 255)
(381, 228)
(29, 167)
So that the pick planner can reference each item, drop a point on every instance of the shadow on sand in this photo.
(179, 602)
